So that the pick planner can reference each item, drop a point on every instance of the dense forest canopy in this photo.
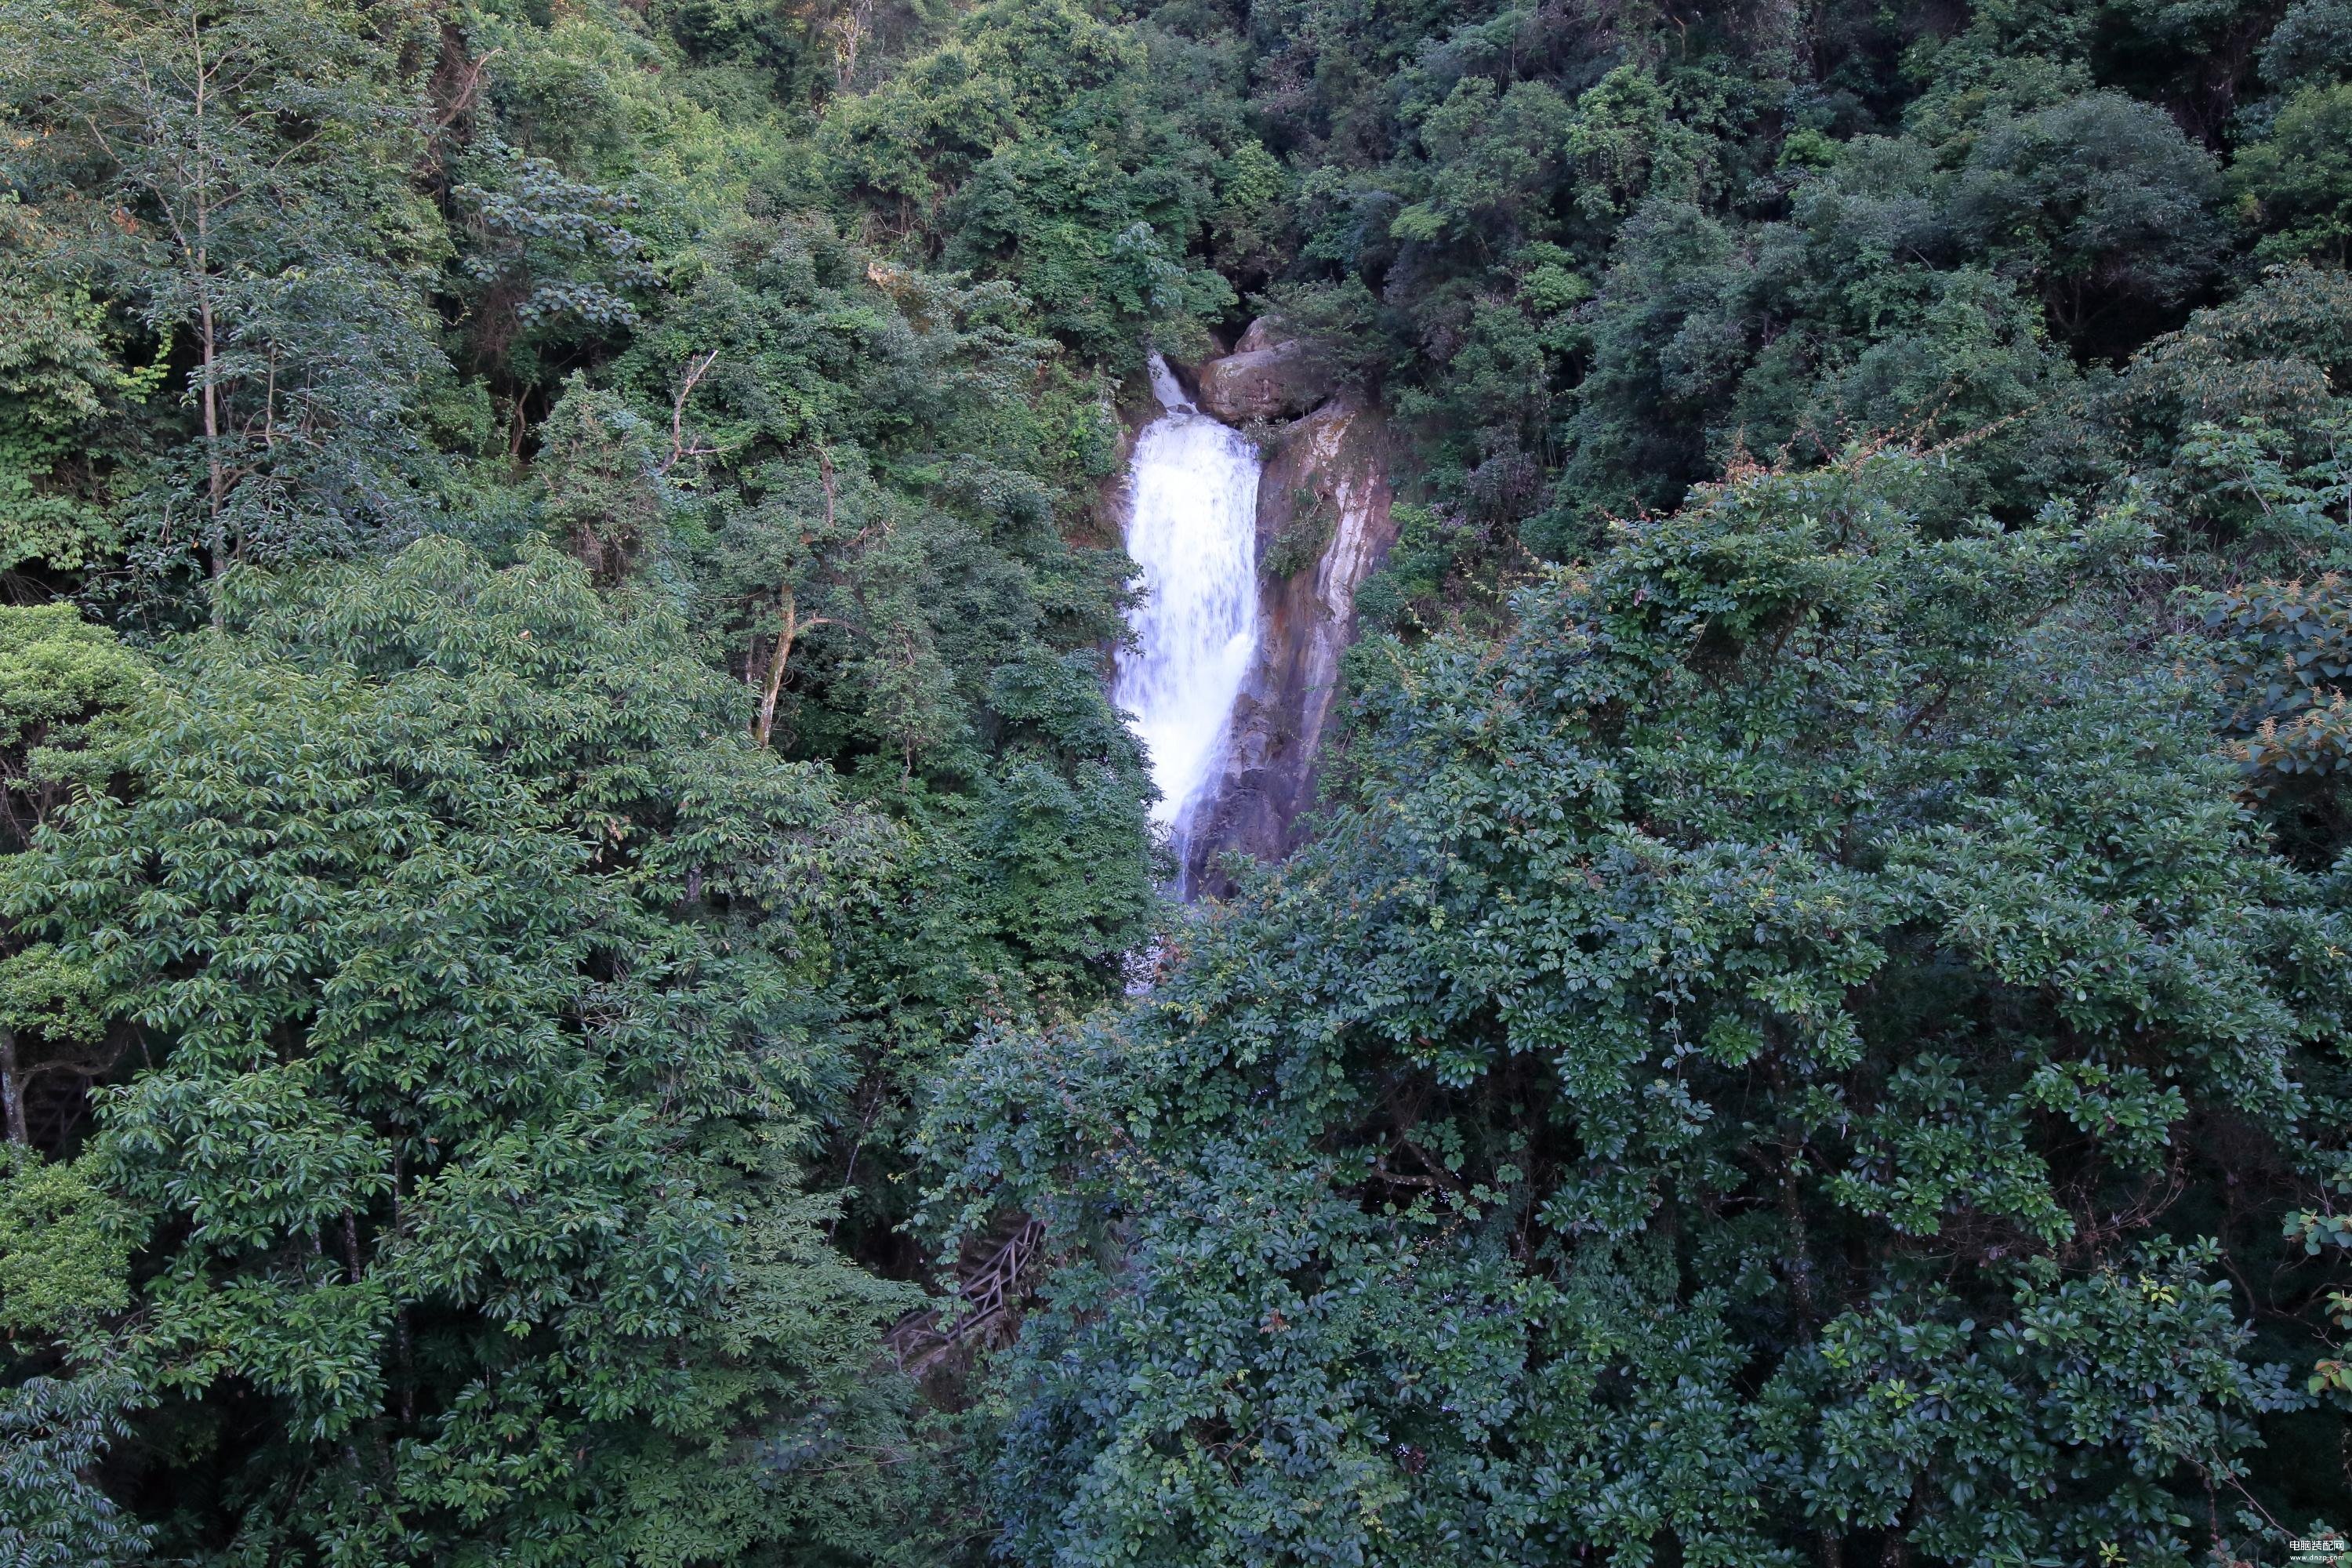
(568, 873)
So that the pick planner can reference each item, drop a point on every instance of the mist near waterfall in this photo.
(1192, 532)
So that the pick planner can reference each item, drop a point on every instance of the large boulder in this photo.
(1264, 378)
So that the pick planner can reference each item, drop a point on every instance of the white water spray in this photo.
(1193, 531)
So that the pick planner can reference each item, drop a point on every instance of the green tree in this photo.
(2296, 182)
(1744, 1076)
(2285, 662)
(487, 973)
(59, 378)
(60, 678)
(240, 177)
(878, 488)
(1079, 159)
(2236, 425)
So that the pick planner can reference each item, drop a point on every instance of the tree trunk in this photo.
(781, 654)
(200, 257)
(217, 489)
(777, 658)
(12, 1088)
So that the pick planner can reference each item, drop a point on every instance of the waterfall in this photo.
(1192, 529)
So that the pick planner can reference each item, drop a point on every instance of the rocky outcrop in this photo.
(1262, 378)
(1324, 524)
(1114, 501)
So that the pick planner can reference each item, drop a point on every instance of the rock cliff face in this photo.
(1323, 526)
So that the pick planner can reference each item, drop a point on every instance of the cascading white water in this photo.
(1192, 528)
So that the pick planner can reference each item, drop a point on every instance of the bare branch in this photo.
(678, 446)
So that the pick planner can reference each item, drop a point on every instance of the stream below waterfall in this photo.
(1192, 532)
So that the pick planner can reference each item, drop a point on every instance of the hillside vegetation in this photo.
(585, 973)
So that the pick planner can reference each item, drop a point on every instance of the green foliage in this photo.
(2285, 654)
(455, 901)
(56, 378)
(58, 673)
(1724, 1082)
(1303, 540)
(52, 1435)
(598, 480)
(2234, 424)
(237, 178)
(2297, 180)
(2101, 199)
(65, 1256)
(62, 683)
(2314, 38)
(534, 229)
(1809, 1031)
(1036, 140)
(870, 488)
